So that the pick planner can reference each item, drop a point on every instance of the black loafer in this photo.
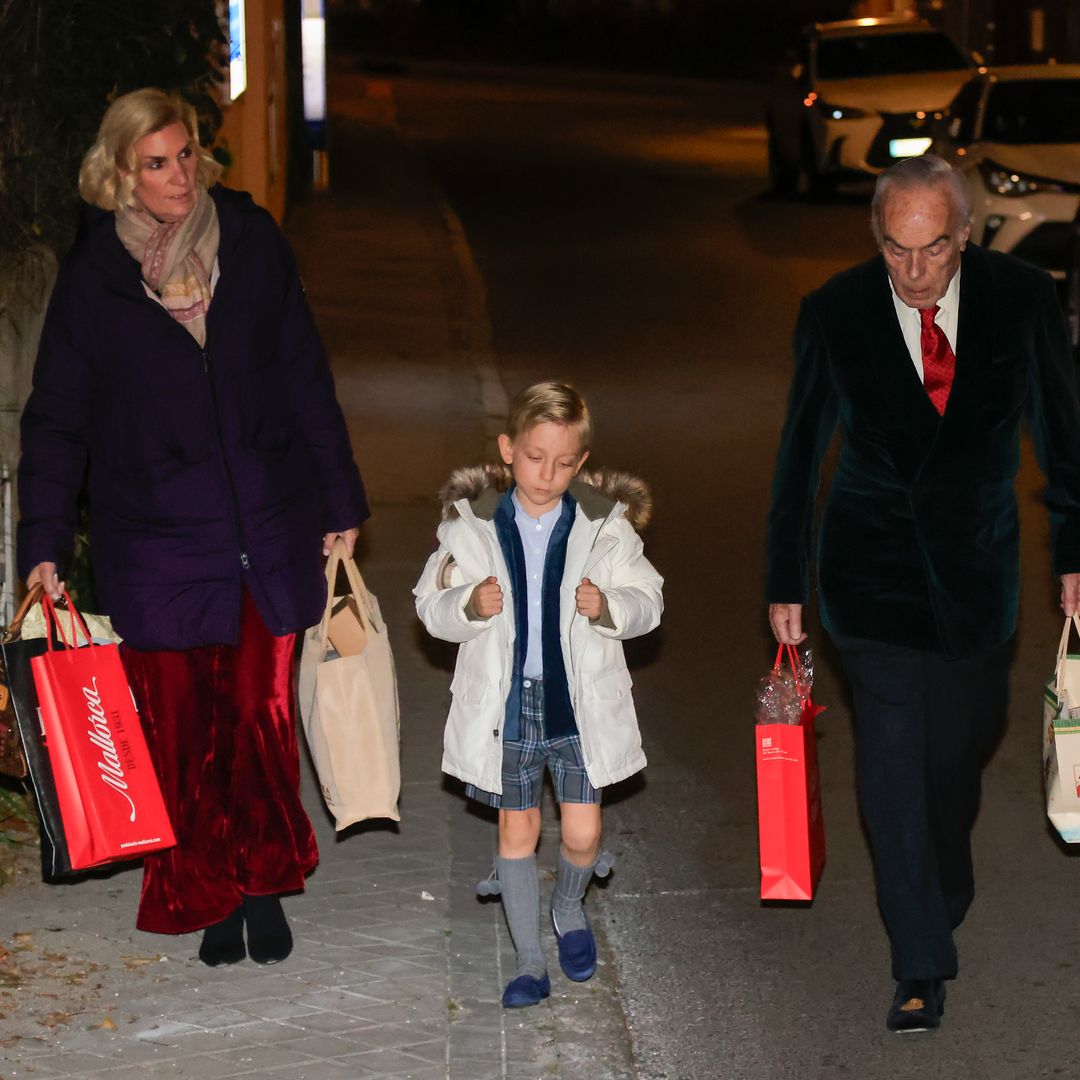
(917, 1005)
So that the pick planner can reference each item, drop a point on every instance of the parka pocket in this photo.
(470, 689)
(612, 685)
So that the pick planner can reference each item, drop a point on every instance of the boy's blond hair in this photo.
(550, 402)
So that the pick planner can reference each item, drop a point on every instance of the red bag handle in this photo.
(793, 657)
(54, 627)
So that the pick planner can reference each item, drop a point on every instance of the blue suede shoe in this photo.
(525, 990)
(577, 951)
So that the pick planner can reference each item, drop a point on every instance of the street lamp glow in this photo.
(313, 43)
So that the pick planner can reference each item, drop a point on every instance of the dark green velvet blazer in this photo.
(919, 540)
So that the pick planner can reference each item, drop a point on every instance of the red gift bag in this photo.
(109, 799)
(791, 830)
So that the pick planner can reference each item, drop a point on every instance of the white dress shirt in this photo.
(911, 321)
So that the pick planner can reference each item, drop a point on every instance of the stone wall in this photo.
(26, 282)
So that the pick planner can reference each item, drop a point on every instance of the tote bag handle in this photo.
(29, 600)
(1063, 649)
(339, 555)
(54, 627)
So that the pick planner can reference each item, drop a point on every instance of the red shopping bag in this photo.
(791, 830)
(109, 800)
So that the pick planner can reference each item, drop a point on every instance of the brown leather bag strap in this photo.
(29, 600)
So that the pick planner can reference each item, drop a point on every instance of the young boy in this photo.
(540, 575)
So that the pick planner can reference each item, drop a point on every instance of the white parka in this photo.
(602, 546)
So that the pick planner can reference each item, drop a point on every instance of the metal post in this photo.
(7, 591)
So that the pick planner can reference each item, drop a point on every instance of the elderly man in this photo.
(927, 357)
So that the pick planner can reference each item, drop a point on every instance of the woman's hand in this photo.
(349, 536)
(45, 574)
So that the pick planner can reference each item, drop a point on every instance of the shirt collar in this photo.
(546, 520)
(950, 302)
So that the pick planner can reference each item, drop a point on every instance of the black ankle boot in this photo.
(269, 938)
(223, 943)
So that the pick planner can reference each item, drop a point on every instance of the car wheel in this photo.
(783, 175)
(813, 182)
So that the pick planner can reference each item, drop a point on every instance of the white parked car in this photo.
(857, 96)
(1014, 132)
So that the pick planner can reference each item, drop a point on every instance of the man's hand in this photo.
(590, 600)
(786, 622)
(487, 598)
(349, 536)
(1070, 594)
(45, 573)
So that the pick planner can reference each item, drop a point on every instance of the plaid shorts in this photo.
(523, 762)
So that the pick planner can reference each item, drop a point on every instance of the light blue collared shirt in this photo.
(535, 536)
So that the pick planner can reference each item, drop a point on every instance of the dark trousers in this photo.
(221, 729)
(924, 726)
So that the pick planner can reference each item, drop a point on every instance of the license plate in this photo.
(904, 148)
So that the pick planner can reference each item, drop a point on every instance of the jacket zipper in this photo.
(592, 560)
(245, 561)
(488, 546)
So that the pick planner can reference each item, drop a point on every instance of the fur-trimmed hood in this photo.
(596, 492)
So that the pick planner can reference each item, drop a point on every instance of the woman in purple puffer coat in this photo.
(180, 375)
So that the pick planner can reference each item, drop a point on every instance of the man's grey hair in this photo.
(919, 172)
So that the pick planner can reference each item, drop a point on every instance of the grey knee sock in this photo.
(568, 893)
(521, 904)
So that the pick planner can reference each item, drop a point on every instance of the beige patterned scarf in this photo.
(177, 258)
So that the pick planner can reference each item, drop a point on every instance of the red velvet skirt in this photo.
(220, 724)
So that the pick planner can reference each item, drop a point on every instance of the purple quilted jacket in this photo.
(207, 469)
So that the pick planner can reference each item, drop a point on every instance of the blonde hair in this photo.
(110, 169)
(550, 402)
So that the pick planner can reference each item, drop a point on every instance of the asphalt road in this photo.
(626, 243)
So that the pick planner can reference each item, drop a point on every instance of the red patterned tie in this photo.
(938, 360)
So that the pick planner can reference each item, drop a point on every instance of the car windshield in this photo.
(886, 54)
(1040, 111)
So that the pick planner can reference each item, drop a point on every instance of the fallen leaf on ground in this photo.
(133, 962)
(55, 1019)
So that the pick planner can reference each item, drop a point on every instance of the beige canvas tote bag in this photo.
(349, 703)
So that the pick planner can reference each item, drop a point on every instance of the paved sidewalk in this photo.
(398, 967)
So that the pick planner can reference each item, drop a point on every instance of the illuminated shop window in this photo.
(237, 49)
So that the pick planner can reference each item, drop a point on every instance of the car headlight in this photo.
(1006, 182)
(841, 112)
